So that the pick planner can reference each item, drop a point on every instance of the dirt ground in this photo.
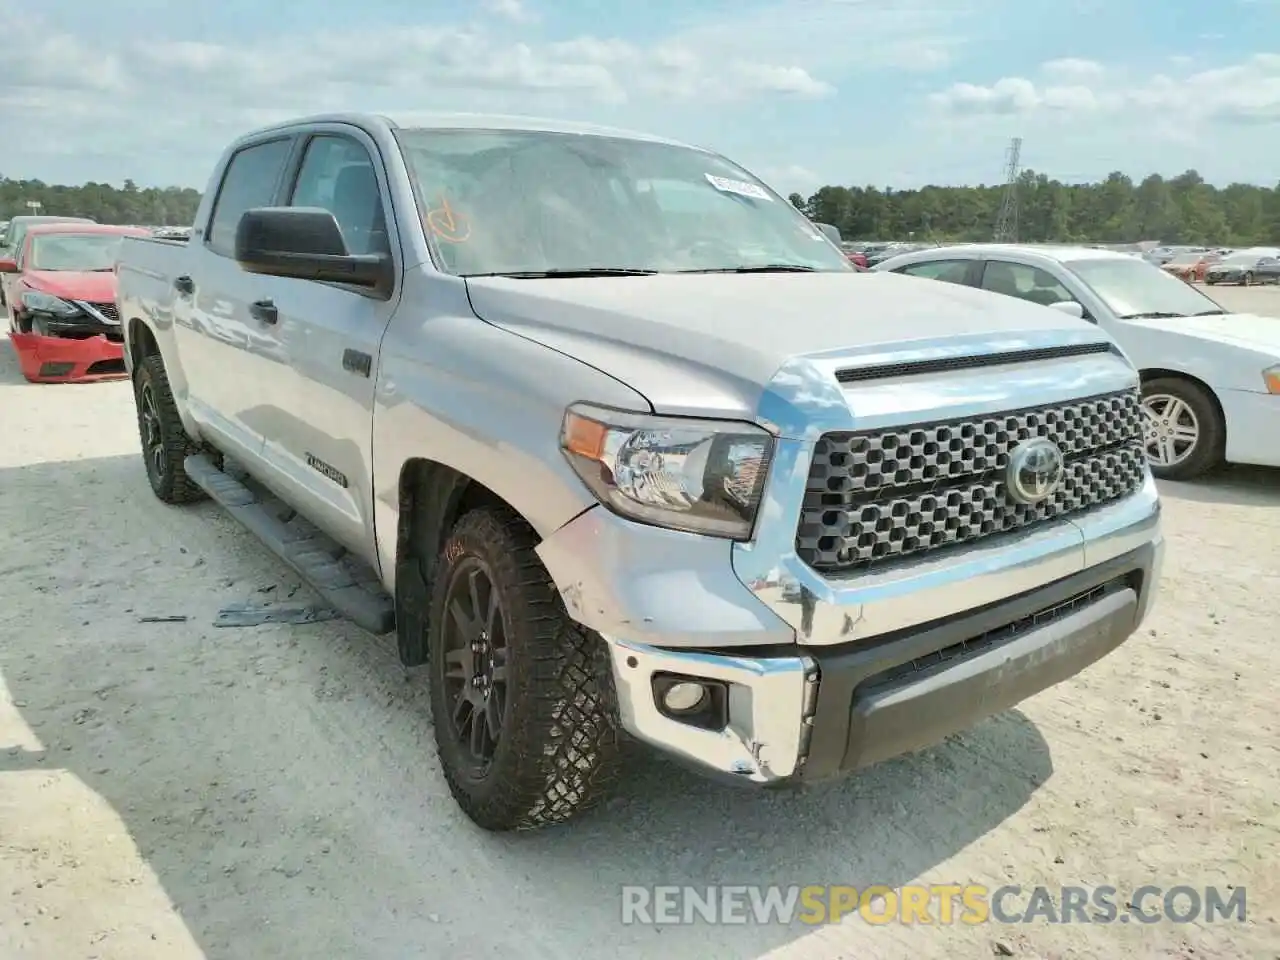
(171, 791)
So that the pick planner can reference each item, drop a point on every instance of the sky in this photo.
(890, 93)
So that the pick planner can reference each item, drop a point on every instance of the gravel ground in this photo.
(171, 791)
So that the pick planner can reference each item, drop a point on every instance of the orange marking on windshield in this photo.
(448, 225)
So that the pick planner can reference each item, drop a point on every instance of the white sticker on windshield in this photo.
(740, 187)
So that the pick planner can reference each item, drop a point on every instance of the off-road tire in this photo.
(1211, 444)
(172, 485)
(558, 754)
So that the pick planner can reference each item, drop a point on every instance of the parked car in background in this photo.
(1210, 380)
(1267, 270)
(895, 250)
(857, 257)
(63, 322)
(1240, 267)
(1191, 267)
(11, 241)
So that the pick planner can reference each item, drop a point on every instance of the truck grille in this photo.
(880, 495)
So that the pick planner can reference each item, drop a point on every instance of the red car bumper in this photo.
(62, 360)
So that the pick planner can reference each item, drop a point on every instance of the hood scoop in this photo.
(913, 368)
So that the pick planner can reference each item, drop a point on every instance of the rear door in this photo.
(229, 355)
(318, 447)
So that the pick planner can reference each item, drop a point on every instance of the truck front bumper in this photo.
(814, 713)
(779, 710)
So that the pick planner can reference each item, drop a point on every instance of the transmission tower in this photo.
(1007, 224)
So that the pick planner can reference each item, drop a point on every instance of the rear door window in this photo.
(948, 271)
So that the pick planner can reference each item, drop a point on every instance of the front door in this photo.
(318, 444)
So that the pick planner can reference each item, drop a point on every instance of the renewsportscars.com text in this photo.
(941, 904)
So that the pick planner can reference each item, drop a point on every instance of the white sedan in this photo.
(1210, 380)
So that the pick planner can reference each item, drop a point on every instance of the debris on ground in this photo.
(254, 615)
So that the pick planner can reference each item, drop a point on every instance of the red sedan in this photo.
(63, 322)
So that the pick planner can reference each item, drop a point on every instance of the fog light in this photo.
(683, 697)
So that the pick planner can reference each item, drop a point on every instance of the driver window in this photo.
(337, 175)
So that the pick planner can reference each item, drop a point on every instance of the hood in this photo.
(93, 286)
(1235, 329)
(709, 344)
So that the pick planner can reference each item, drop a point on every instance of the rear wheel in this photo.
(1183, 432)
(165, 444)
(522, 697)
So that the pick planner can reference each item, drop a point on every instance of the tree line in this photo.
(147, 206)
(1183, 209)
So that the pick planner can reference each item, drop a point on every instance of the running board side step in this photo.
(347, 584)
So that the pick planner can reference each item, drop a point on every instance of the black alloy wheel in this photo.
(475, 649)
(153, 450)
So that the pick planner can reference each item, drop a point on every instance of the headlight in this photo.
(1271, 377)
(701, 476)
(48, 303)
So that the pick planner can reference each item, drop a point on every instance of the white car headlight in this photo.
(701, 476)
(48, 303)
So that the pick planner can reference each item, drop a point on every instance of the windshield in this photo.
(1186, 259)
(1133, 288)
(522, 202)
(75, 251)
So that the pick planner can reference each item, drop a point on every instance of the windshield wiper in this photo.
(763, 268)
(1153, 315)
(567, 272)
(1210, 313)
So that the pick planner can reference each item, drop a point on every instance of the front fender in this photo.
(483, 401)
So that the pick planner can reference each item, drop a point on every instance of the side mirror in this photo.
(1070, 307)
(8, 265)
(304, 243)
(831, 232)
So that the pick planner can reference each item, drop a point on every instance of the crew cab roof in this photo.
(465, 121)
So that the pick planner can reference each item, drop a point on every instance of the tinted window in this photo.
(1023, 281)
(250, 181)
(337, 175)
(948, 271)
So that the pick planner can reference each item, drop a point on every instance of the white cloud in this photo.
(1073, 68)
(1247, 92)
(514, 10)
(180, 100)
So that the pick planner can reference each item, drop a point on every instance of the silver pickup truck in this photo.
(618, 443)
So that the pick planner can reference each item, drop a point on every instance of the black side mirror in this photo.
(831, 232)
(304, 243)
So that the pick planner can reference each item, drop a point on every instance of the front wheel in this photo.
(1183, 432)
(522, 697)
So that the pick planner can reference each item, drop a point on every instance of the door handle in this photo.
(264, 310)
(184, 285)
